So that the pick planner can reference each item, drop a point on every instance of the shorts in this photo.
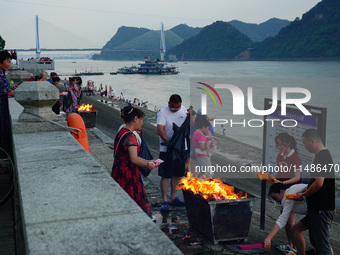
(305, 221)
(170, 168)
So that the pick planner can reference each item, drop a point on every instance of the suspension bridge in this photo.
(51, 37)
(58, 43)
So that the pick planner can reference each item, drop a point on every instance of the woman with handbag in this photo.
(72, 100)
(125, 169)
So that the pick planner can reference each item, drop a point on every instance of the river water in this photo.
(321, 78)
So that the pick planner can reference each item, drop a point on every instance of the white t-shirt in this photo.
(291, 206)
(166, 118)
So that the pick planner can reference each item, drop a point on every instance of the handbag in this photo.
(67, 101)
(69, 98)
(145, 154)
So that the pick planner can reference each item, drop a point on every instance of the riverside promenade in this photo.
(70, 205)
(67, 203)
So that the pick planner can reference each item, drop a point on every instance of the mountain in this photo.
(185, 31)
(150, 41)
(315, 36)
(259, 32)
(130, 43)
(218, 41)
(123, 35)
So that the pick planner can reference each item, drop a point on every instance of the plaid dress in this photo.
(5, 124)
(126, 173)
(74, 106)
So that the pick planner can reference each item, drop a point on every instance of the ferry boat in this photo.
(149, 67)
(128, 70)
(156, 67)
(153, 66)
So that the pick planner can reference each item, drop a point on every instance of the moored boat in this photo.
(172, 58)
(156, 67)
(153, 66)
(149, 67)
(128, 70)
(89, 73)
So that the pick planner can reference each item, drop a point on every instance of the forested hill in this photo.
(123, 35)
(315, 36)
(259, 32)
(131, 43)
(111, 50)
(135, 43)
(185, 31)
(218, 41)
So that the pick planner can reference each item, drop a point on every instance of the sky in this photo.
(89, 23)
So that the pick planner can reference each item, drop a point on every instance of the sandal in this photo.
(287, 249)
(282, 247)
(291, 248)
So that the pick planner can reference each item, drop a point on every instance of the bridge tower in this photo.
(162, 44)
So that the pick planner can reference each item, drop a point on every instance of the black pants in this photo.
(5, 129)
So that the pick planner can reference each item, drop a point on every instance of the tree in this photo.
(2, 43)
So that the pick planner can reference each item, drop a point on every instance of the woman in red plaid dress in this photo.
(125, 169)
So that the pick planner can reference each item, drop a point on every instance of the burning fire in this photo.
(86, 107)
(210, 188)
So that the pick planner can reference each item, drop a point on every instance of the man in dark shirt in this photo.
(320, 193)
(52, 75)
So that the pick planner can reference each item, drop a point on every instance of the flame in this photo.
(210, 189)
(86, 107)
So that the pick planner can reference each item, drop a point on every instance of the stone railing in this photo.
(67, 203)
